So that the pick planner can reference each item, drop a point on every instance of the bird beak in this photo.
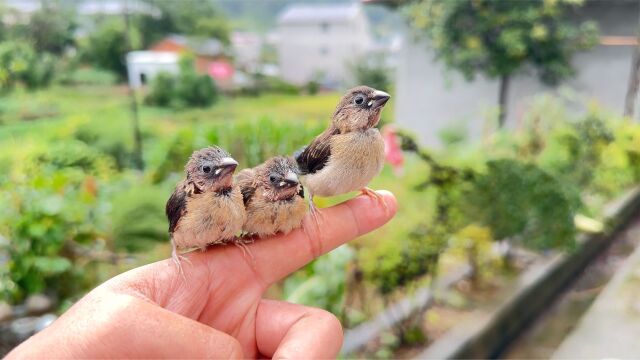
(290, 180)
(379, 99)
(227, 166)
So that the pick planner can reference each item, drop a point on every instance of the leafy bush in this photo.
(188, 89)
(49, 217)
(107, 46)
(108, 139)
(520, 200)
(194, 89)
(19, 63)
(138, 218)
(162, 90)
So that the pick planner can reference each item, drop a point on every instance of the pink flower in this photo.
(392, 150)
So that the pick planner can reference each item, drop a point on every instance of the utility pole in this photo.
(137, 136)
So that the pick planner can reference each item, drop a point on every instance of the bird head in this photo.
(280, 179)
(359, 109)
(211, 169)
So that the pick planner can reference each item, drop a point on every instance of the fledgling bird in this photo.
(273, 197)
(350, 152)
(205, 208)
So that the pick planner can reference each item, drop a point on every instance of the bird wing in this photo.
(315, 156)
(176, 207)
(244, 181)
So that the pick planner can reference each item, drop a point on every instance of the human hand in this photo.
(218, 310)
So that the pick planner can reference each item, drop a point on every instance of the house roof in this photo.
(318, 13)
(200, 46)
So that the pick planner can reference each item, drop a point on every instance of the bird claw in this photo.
(315, 216)
(177, 258)
(373, 194)
(242, 244)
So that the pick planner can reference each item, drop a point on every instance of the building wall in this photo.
(430, 99)
(308, 50)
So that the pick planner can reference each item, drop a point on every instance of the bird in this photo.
(205, 208)
(273, 197)
(350, 152)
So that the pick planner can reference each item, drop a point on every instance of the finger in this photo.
(290, 331)
(139, 328)
(280, 255)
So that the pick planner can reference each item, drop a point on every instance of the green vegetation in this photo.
(188, 89)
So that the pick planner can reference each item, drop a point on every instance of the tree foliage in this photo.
(106, 47)
(188, 17)
(498, 37)
(20, 64)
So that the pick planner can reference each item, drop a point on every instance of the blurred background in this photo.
(511, 130)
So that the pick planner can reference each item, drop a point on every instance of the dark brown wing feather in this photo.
(315, 156)
(176, 207)
(245, 180)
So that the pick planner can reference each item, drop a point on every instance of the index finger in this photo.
(278, 256)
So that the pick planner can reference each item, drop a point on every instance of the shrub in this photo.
(188, 89)
(522, 202)
(194, 89)
(138, 218)
(162, 91)
(49, 217)
(19, 63)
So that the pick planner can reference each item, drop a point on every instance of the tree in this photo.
(499, 38)
(50, 29)
(107, 46)
(188, 17)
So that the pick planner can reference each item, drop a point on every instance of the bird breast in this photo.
(356, 158)
(211, 219)
(265, 217)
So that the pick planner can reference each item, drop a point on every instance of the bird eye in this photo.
(273, 178)
(206, 169)
(358, 100)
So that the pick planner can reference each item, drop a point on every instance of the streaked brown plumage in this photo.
(350, 152)
(273, 197)
(205, 208)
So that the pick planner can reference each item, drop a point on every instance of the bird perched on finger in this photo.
(273, 197)
(205, 207)
(350, 152)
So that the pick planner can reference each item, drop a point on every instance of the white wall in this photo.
(305, 50)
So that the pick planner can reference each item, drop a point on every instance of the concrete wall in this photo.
(307, 50)
(429, 98)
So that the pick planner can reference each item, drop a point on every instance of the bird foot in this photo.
(373, 194)
(316, 216)
(177, 259)
(242, 244)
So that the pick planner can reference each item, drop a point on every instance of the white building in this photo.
(142, 66)
(317, 42)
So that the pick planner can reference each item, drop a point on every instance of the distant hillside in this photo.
(261, 15)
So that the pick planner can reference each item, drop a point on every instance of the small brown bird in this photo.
(273, 197)
(205, 208)
(350, 152)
